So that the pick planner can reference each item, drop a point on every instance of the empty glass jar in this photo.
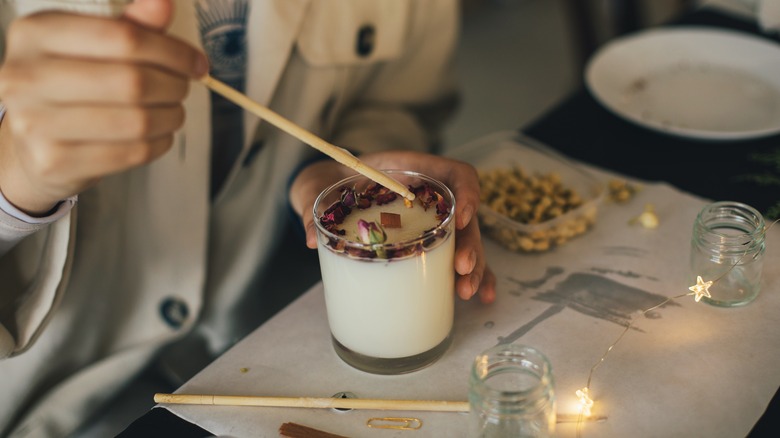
(727, 248)
(511, 393)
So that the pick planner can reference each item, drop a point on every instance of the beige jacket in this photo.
(145, 257)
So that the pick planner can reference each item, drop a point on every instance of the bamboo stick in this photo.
(339, 154)
(314, 402)
(340, 403)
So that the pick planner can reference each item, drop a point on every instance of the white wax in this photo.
(414, 221)
(390, 308)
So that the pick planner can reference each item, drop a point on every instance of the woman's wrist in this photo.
(15, 191)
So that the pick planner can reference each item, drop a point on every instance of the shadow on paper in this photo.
(589, 294)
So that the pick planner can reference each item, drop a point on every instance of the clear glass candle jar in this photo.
(727, 248)
(511, 393)
(390, 305)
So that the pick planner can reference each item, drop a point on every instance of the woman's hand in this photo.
(474, 276)
(87, 97)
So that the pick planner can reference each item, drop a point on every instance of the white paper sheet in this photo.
(686, 369)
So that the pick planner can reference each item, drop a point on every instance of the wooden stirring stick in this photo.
(337, 403)
(341, 155)
(313, 402)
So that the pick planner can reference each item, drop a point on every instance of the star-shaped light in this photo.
(585, 401)
(701, 288)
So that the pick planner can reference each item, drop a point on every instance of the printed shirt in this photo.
(223, 32)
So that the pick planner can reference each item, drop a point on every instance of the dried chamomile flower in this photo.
(647, 219)
(531, 199)
(621, 191)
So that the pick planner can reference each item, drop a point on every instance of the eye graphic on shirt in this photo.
(223, 31)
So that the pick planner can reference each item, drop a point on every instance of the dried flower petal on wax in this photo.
(351, 198)
(424, 194)
(370, 232)
(362, 202)
(348, 197)
(334, 215)
(385, 198)
(442, 208)
(380, 194)
(435, 234)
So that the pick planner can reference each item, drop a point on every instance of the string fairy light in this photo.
(699, 290)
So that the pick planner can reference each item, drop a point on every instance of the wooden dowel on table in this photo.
(339, 154)
(314, 402)
(339, 403)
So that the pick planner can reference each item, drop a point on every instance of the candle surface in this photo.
(414, 221)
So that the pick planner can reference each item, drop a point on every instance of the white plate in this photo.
(695, 82)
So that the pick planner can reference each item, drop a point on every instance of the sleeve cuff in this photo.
(60, 210)
(15, 225)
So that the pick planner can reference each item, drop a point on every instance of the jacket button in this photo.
(366, 39)
(174, 312)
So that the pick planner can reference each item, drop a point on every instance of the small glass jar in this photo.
(511, 393)
(727, 248)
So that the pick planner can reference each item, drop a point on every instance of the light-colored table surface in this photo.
(686, 369)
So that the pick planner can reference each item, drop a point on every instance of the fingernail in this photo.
(311, 236)
(472, 260)
(475, 280)
(201, 67)
(467, 213)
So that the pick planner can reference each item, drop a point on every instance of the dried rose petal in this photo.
(385, 198)
(348, 197)
(442, 208)
(363, 201)
(372, 190)
(427, 197)
(361, 253)
(437, 233)
(334, 215)
(372, 234)
(337, 244)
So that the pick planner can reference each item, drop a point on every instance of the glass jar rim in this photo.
(503, 358)
(743, 214)
(513, 355)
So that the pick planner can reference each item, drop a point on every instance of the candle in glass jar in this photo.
(392, 300)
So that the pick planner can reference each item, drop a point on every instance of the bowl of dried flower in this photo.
(532, 198)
